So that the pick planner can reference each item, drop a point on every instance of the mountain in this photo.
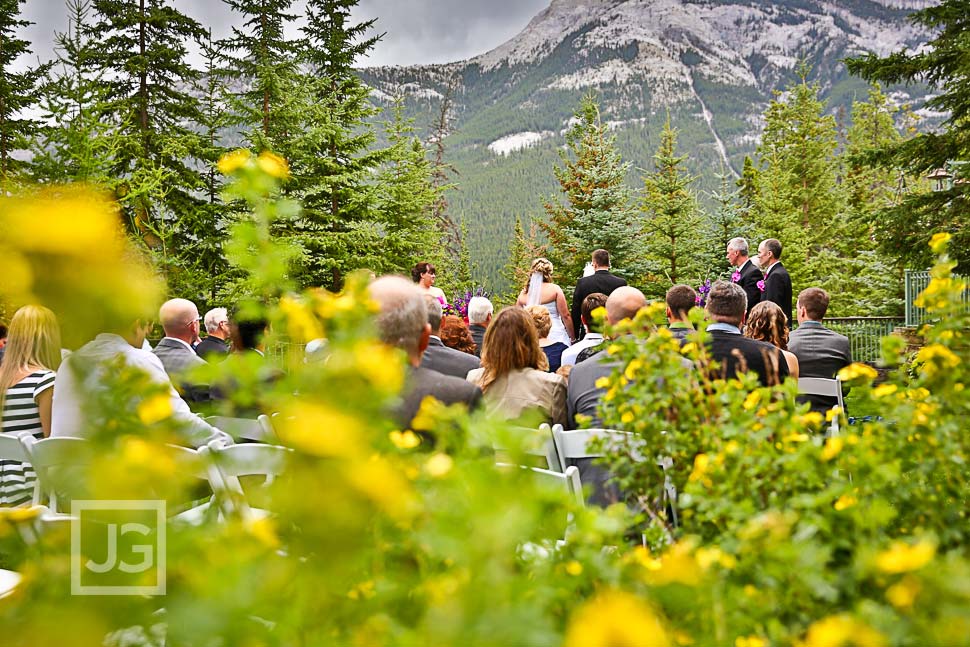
(713, 65)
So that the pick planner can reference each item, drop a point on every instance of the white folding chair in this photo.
(236, 461)
(824, 387)
(568, 481)
(12, 448)
(531, 442)
(57, 462)
(8, 582)
(258, 429)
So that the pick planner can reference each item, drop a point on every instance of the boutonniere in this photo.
(761, 285)
(736, 277)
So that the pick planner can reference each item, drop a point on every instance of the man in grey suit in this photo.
(439, 357)
(403, 323)
(480, 312)
(180, 321)
(821, 352)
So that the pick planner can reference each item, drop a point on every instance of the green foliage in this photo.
(598, 211)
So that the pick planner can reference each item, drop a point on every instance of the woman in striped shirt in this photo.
(32, 354)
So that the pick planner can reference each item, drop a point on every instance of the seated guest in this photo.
(479, 315)
(83, 379)
(455, 334)
(821, 352)
(180, 321)
(215, 346)
(543, 323)
(592, 338)
(680, 299)
(439, 357)
(514, 375)
(766, 322)
(403, 323)
(735, 353)
(248, 375)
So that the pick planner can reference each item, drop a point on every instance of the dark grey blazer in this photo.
(598, 281)
(821, 353)
(750, 275)
(421, 382)
(179, 359)
(478, 336)
(735, 352)
(449, 361)
(778, 289)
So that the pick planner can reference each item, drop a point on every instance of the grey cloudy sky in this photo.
(417, 31)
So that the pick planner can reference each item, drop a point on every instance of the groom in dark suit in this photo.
(601, 280)
(777, 281)
(747, 273)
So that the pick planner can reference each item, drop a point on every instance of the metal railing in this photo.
(865, 334)
(915, 281)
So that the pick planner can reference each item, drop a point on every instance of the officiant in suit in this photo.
(746, 272)
(777, 281)
(601, 280)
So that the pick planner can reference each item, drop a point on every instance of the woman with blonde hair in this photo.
(32, 355)
(553, 349)
(514, 377)
(767, 322)
(541, 291)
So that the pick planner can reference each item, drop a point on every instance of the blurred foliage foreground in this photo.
(376, 538)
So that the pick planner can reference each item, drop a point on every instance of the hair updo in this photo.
(544, 267)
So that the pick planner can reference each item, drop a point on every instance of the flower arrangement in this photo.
(702, 291)
(459, 304)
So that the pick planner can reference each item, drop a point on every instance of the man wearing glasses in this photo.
(180, 321)
(215, 346)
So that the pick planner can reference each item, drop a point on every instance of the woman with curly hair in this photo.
(541, 291)
(767, 322)
(424, 274)
(553, 349)
(514, 377)
(455, 334)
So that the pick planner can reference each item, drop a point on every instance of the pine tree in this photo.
(727, 220)
(442, 172)
(523, 250)
(333, 175)
(671, 222)
(77, 142)
(748, 186)
(598, 212)
(906, 227)
(18, 91)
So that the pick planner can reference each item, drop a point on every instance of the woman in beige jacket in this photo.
(513, 376)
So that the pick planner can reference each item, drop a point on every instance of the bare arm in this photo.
(563, 309)
(44, 401)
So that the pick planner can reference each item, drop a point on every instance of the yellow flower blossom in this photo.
(901, 557)
(707, 557)
(939, 242)
(796, 438)
(405, 440)
(627, 417)
(903, 594)
(363, 591)
(643, 557)
(936, 359)
(843, 629)
(264, 530)
(858, 373)
(574, 568)
(883, 390)
(439, 465)
(752, 400)
(678, 564)
(833, 413)
(602, 383)
(155, 408)
(322, 431)
(632, 368)
(379, 364)
(701, 461)
(812, 419)
(300, 322)
(617, 619)
(845, 501)
(613, 349)
(750, 641)
(732, 447)
(688, 348)
(233, 161)
(273, 164)
(431, 411)
(832, 448)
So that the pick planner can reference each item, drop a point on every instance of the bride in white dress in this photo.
(542, 291)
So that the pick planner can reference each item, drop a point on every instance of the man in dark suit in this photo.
(480, 312)
(747, 273)
(215, 346)
(821, 352)
(777, 281)
(726, 307)
(180, 321)
(403, 323)
(439, 357)
(599, 281)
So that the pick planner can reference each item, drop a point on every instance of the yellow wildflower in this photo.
(858, 373)
(602, 383)
(678, 564)
(832, 448)
(750, 641)
(833, 413)
(939, 242)
(379, 364)
(232, 162)
(643, 557)
(688, 348)
(901, 557)
(812, 419)
(627, 417)
(439, 465)
(842, 629)
(752, 400)
(617, 619)
(902, 594)
(883, 390)
(701, 461)
(632, 368)
(732, 447)
(796, 438)
(429, 413)
(574, 568)
(321, 431)
(155, 408)
(613, 349)
(300, 322)
(935, 359)
(707, 557)
(264, 530)
(405, 440)
(273, 164)
(845, 501)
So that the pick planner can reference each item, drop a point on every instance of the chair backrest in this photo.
(829, 388)
(575, 444)
(56, 462)
(236, 461)
(258, 429)
(532, 442)
(568, 480)
(12, 447)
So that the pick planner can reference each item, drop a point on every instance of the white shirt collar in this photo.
(184, 343)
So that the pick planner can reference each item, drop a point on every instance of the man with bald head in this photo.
(180, 321)
(403, 323)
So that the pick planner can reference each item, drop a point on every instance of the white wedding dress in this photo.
(558, 330)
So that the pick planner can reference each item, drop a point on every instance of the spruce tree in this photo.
(671, 224)
(942, 64)
(725, 221)
(598, 211)
(18, 91)
(524, 249)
